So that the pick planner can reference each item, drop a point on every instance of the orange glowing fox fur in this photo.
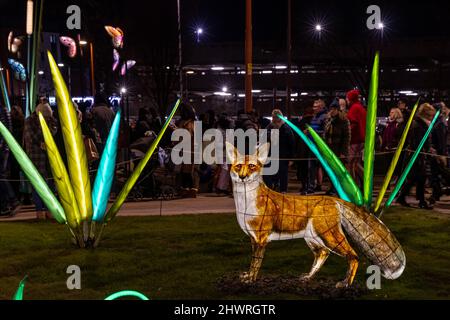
(266, 215)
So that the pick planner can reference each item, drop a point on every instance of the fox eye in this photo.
(238, 167)
(252, 167)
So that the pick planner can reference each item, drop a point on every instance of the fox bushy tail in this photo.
(373, 239)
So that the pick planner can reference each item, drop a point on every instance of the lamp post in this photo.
(180, 52)
(29, 31)
(289, 60)
(248, 57)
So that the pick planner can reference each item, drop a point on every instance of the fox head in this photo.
(247, 168)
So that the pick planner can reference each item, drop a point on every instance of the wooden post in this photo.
(248, 57)
(289, 61)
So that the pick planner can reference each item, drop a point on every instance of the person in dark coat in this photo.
(439, 146)
(393, 131)
(286, 145)
(34, 144)
(103, 118)
(417, 175)
(318, 124)
(337, 134)
(8, 199)
(304, 172)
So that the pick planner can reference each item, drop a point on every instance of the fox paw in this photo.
(342, 284)
(246, 278)
(305, 277)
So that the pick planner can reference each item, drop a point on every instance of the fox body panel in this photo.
(266, 215)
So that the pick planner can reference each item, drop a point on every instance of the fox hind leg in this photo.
(320, 256)
(337, 243)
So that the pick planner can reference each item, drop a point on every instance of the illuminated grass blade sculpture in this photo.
(106, 171)
(340, 177)
(334, 177)
(410, 164)
(19, 293)
(62, 180)
(34, 176)
(346, 180)
(73, 142)
(138, 170)
(395, 158)
(80, 208)
(371, 124)
(121, 294)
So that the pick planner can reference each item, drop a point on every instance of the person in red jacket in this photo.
(357, 117)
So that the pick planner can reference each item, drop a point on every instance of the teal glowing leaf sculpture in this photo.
(371, 123)
(347, 183)
(126, 293)
(326, 165)
(395, 158)
(106, 170)
(410, 164)
(139, 168)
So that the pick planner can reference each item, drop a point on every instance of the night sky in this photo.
(223, 21)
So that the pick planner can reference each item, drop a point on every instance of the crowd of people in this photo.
(342, 125)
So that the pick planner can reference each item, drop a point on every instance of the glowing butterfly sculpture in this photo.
(79, 207)
(266, 215)
(18, 69)
(121, 294)
(127, 66)
(71, 46)
(117, 36)
(116, 59)
(14, 43)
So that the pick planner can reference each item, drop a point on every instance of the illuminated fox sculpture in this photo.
(266, 215)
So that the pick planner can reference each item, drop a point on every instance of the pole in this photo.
(289, 60)
(180, 52)
(28, 84)
(248, 57)
(91, 47)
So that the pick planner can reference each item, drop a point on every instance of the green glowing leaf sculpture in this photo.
(36, 180)
(348, 184)
(410, 164)
(333, 176)
(19, 293)
(395, 159)
(371, 123)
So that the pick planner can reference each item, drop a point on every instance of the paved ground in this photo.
(205, 203)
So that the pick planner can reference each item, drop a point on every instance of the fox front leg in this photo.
(257, 258)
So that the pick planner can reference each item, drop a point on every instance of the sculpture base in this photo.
(271, 285)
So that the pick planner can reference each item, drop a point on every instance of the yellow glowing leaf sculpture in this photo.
(62, 180)
(73, 142)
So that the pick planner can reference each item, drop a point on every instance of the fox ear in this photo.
(263, 153)
(231, 152)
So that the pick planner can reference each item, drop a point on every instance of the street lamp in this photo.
(198, 32)
(123, 90)
(318, 27)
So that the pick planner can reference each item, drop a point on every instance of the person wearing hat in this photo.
(357, 117)
(337, 133)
